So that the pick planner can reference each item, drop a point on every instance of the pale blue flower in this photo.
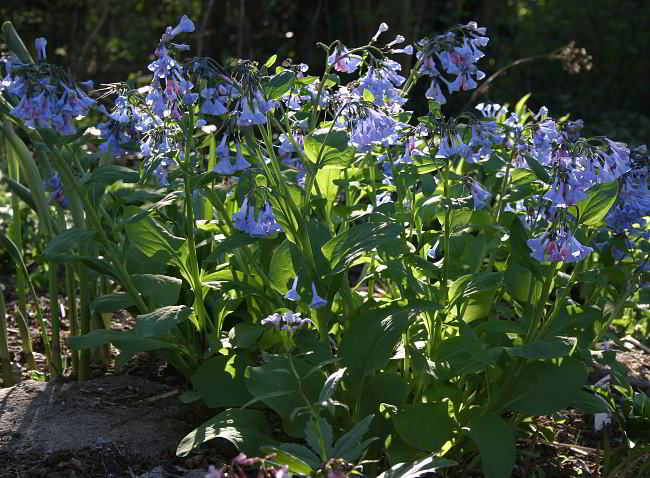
(316, 301)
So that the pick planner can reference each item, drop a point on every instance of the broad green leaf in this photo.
(350, 447)
(553, 347)
(280, 84)
(161, 321)
(301, 452)
(496, 441)
(599, 200)
(455, 359)
(539, 170)
(162, 290)
(384, 387)
(247, 430)
(111, 302)
(96, 338)
(418, 469)
(232, 242)
(329, 190)
(591, 403)
(372, 335)
(245, 335)
(276, 376)
(221, 382)
(107, 174)
(347, 246)
(329, 148)
(425, 426)
(150, 237)
(543, 388)
(473, 345)
(285, 458)
(67, 240)
(369, 341)
(281, 270)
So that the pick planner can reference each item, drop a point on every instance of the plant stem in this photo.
(5, 364)
(15, 233)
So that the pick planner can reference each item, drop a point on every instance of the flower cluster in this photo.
(456, 53)
(289, 321)
(47, 97)
(263, 227)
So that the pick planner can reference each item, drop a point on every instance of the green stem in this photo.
(120, 269)
(5, 364)
(55, 315)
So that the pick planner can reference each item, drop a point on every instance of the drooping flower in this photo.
(480, 196)
(40, 43)
(558, 246)
(343, 61)
(292, 294)
(316, 301)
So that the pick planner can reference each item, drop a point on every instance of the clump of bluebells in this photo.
(382, 246)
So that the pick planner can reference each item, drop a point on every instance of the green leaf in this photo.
(538, 169)
(282, 457)
(553, 347)
(496, 441)
(22, 192)
(15, 43)
(543, 388)
(417, 469)
(161, 321)
(111, 302)
(162, 290)
(344, 248)
(68, 240)
(221, 381)
(425, 426)
(521, 104)
(245, 335)
(312, 436)
(591, 403)
(369, 341)
(474, 346)
(350, 447)
(271, 61)
(384, 387)
(276, 376)
(329, 148)
(280, 84)
(247, 430)
(96, 338)
(232, 242)
(150, 238)
(599, 200)
(372, 335)
(329, 387)
(107, 174)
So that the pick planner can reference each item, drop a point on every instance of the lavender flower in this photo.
(316, 301)
(289, 321)
(480, 195)
(558, 246)
(293, 292)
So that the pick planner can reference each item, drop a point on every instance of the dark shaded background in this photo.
(111, 40)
